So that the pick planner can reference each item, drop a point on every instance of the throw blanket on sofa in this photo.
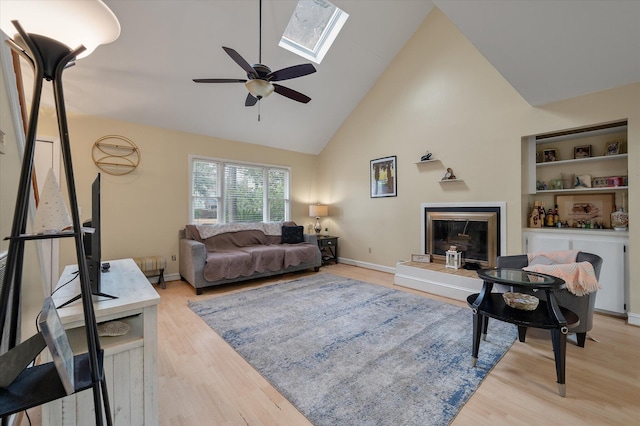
(269, 228)
(579, 276)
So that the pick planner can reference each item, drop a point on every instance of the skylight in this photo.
(313, 27)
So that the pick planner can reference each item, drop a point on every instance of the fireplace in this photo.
(475, 229)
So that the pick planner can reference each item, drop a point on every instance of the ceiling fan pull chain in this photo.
(259, 104)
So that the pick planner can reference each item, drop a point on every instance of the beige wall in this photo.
(143, 211)
(441, 95)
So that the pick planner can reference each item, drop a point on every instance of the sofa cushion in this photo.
(299, 253)
(234, 240)
(265, 257)
(292, 234)
(228, 264)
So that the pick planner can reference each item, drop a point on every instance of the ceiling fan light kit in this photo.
(259, 88)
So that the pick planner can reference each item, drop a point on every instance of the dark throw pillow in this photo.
(292, 234)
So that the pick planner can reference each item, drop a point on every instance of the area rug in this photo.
(346, 352)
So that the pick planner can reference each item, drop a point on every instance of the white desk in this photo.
(130, 361)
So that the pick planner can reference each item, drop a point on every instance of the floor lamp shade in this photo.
(89, 23)
(318, 211)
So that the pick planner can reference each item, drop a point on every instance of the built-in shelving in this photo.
(584, 160)
(582, 190)
(596, 165)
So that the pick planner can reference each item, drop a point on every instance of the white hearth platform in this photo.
(436, 279)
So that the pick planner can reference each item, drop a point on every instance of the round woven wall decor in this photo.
(115, 155)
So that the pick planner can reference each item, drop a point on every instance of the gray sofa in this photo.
(212, 255)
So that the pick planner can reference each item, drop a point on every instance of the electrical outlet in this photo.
(173, 257)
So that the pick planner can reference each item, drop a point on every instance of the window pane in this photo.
(312, 29)
(308, 23)
(204, 191)
(244, 186)
(278, 193)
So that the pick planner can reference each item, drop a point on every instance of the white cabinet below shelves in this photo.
(610, 245)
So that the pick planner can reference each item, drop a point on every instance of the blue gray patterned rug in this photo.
(346, 352)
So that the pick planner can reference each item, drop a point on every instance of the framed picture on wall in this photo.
(382, 175)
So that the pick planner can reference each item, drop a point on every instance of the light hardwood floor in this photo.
(202, 381)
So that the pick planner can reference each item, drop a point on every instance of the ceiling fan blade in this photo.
(251, 100)
(240, 61)
(291, 94)
(291, 72)
(218, 80)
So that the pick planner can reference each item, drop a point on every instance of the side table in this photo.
(329, 248)
(548, 315)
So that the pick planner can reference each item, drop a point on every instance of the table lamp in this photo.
(318, 211)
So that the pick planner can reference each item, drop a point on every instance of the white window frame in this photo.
(220, 199)
(329, 35)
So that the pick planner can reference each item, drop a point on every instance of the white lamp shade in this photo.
(317, 210)
(259, 88)
(89, 23)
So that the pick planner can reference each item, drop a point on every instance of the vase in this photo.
(620, 220)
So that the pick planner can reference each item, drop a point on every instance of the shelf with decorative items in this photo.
(449, 176)
(582, 172)
(427, 158)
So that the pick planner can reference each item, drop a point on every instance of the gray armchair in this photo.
(582, 305)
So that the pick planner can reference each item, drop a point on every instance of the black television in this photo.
(92, 241)
(92, 244)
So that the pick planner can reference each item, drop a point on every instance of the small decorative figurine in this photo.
(449, 175)
(426, 157)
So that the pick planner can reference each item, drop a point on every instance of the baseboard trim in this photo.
(367, 265)
(633, 319)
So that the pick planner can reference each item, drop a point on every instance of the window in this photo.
(312, 29)
(225, 192)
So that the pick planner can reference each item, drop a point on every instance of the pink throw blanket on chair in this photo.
(579, 276)
(559, 256)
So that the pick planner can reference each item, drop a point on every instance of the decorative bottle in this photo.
(620, 217)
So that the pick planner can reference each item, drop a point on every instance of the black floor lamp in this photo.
(52, 26)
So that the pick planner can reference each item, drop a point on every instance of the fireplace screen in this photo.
(474, 234)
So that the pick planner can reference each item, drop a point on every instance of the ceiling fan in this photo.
(260, 78)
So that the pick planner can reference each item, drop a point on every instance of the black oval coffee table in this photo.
(548, 315)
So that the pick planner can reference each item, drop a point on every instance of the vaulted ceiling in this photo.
(547, 51)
